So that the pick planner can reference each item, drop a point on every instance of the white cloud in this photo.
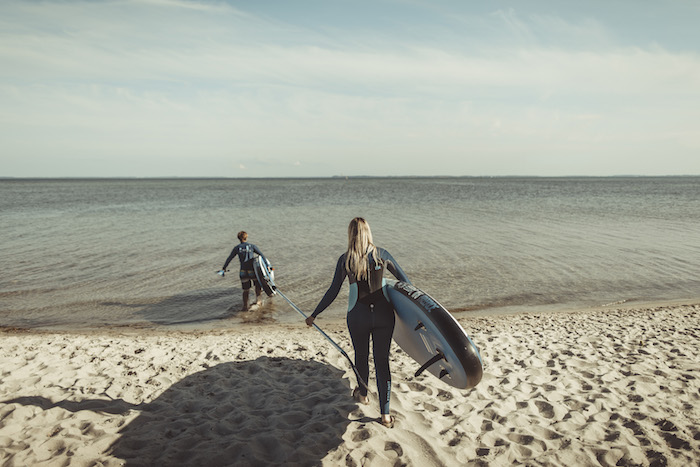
(216, 7)
(179, 78)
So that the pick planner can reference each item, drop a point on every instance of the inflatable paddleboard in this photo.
(265, 276)
(429, 334)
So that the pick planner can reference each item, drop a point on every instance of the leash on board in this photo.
(333, 343)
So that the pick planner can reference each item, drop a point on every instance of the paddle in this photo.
(333, 343)
(273, 289)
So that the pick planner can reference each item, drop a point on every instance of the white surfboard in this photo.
(265, 276)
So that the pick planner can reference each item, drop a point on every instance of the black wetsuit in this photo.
(246, 254)
(369, 314)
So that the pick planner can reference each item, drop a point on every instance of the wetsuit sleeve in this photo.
(233, 254)
(334, 289)
(394, 267)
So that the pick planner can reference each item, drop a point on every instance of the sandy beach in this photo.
(600, 387)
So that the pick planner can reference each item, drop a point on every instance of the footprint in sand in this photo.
(430, 407)
(665, 425)
(418, 387)
(675, 442)
(361, 435)
(392, 446)
(521, 439)
(545, 433)
(546, 409)
(638, 431)
(459, 436)
(656, 458)
(492, 415)
(528, 442)
(486, 425)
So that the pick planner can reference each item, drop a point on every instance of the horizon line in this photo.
(177, 177)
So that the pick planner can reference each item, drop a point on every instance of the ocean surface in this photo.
(143, 253)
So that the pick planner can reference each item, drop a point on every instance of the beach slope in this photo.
(603, 387)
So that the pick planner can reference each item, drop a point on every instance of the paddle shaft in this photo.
(333, 343)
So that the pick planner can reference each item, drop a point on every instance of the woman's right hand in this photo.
(310, 320)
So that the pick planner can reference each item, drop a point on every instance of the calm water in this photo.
(89, 253)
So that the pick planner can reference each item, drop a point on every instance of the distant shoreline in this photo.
(355, 177)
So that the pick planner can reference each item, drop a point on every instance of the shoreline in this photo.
(265, 318)
(612, 386)
(342, 177)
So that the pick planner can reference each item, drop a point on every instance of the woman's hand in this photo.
(310, 320)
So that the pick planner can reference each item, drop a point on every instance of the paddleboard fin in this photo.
(444, 373)
(436, 358)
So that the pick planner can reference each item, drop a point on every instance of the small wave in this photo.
(619, 302)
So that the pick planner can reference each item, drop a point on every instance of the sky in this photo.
(316, 88)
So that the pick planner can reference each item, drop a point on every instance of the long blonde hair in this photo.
(360, 246)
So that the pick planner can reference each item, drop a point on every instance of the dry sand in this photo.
(605, 387)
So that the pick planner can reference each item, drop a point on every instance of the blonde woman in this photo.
(369, 312)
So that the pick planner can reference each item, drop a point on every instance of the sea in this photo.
(144, 253)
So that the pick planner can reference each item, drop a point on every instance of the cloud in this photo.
(187, 5)
(184, 77)
(126, 44)
(137, 56)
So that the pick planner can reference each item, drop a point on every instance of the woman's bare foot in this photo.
(359, 397)
(388, 420)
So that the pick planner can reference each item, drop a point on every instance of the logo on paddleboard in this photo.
(420, 297)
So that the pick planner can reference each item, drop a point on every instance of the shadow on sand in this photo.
(269, 411)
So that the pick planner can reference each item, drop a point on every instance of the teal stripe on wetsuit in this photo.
(341, 274)
(368, 315)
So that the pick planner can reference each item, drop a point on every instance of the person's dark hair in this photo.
(242, 236)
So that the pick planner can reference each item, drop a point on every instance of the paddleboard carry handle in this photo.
(436, 358)
(333, 343)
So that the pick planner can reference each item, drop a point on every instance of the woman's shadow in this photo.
(268, 411)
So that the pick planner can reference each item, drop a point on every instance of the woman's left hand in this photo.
(310, 320)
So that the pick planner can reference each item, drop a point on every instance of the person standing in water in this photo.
(369, 312)
(246, 254)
